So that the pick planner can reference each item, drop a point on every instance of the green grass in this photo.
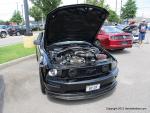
(12, 52)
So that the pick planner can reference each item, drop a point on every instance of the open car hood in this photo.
(79, 22)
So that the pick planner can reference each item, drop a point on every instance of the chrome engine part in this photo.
(77, 55)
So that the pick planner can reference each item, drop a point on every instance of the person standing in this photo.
(142, 31)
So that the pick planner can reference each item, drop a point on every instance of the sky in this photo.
(7, 7)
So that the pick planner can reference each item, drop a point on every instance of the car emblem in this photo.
(124, 37)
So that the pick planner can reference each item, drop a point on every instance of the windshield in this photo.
(111, 29)
(120, 26)
(2, 27)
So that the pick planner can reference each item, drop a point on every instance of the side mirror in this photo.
(36, 42)
(101, 32)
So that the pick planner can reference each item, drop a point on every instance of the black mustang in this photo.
(71, 66)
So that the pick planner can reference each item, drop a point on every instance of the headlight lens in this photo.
(113, 38)
(114, 65)
(52, 72)
(105, 68)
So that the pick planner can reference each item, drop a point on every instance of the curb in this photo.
(4, 65)
(2, 90)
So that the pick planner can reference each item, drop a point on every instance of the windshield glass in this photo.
(2, 27)
(111, 29)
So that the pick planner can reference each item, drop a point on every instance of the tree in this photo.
(100, 3)
(2, 21)
(129, 10)
(113, 17)
(17, 18)
(36, 13)
(46, 5)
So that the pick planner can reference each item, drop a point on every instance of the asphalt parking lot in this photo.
(23, 95)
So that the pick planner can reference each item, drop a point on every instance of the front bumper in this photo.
(77, 90)
(119, 46)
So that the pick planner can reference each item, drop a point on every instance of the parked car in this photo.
(42, 26)
(16, 30)
(133, 29)
(71, 66)
(112, 38)
(34, 27)
(3, 32)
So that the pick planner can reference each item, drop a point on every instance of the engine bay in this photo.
(76, 55)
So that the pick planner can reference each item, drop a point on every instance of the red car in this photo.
(112, 38)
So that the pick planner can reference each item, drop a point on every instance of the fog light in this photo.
(114, 65)
(52, 72)
(105, 68)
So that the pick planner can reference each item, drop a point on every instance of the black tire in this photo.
(3, 34)
(17, 33)
(121, 49)
(42, 82)
(36, 55)
(97, 43)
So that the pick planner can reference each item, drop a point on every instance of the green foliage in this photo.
(17, 18)
(36, 13)
(100, 3)
(96, 2)
(46, 5)
(113, 17)
(2, 21)
(129, 10)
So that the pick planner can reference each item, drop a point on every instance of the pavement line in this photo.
(7, 64)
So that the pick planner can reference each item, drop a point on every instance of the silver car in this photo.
(3, 32)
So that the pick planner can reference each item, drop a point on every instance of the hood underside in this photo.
(74, 23)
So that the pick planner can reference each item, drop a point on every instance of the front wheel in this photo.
(42, 82)
(18, 34)
(3, 34)
(121, 49)
(97, 43)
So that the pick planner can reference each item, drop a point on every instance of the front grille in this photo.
(121, 37)
(87, 72)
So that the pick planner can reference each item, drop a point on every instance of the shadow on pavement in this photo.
(2, 89)
(119, 52)
(79, 102)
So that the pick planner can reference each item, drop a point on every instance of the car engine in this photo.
(77, 55)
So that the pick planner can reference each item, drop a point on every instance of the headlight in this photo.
(113, 37)
(114, 65)
(52, 72)
(105, 68)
